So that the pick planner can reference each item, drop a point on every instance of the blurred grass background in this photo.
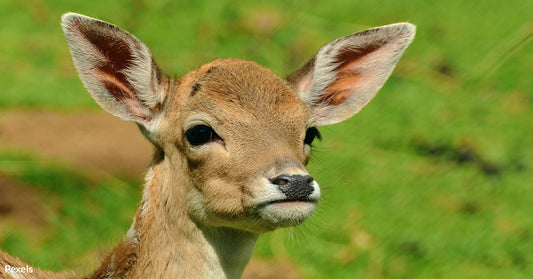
(432, 180)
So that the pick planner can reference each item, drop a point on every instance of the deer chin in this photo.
(286, 213)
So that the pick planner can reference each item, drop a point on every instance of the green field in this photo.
(434, 179)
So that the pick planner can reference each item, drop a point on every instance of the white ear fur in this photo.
(116, 68)
(347, 73)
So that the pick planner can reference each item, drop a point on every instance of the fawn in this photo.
(231, 143)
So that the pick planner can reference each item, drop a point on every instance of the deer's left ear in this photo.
(347, 73)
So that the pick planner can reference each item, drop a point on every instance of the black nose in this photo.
(295, 187)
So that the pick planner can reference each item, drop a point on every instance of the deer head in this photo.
(234, 138)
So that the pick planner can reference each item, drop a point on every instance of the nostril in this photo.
(280, 180)
(295, 187)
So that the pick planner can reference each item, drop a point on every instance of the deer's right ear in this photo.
(116, 68)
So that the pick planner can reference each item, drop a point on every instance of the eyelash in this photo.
(311, 134)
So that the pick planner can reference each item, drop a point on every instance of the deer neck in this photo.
(164, 242)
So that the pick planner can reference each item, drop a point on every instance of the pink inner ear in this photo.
(118, 56)
(347, 77)
(123, 93)
(351, 73)
(339, 90)
(305, 83)
(350, 55)
(118, 88)
(115, 49)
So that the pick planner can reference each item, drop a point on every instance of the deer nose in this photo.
(295, 187)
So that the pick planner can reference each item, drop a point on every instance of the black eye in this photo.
(311, 134)
(201, 134)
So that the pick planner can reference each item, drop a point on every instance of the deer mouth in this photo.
(287, 212)
(290, 201)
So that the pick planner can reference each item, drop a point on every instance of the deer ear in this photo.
(347, 73)
(116, 68)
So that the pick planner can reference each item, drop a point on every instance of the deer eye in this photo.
(311, 134)
(201, 134)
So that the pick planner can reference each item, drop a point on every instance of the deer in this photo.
(231, 144)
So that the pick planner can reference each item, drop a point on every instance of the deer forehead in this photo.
(238, 94)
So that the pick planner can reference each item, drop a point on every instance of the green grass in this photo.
(431, 180)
